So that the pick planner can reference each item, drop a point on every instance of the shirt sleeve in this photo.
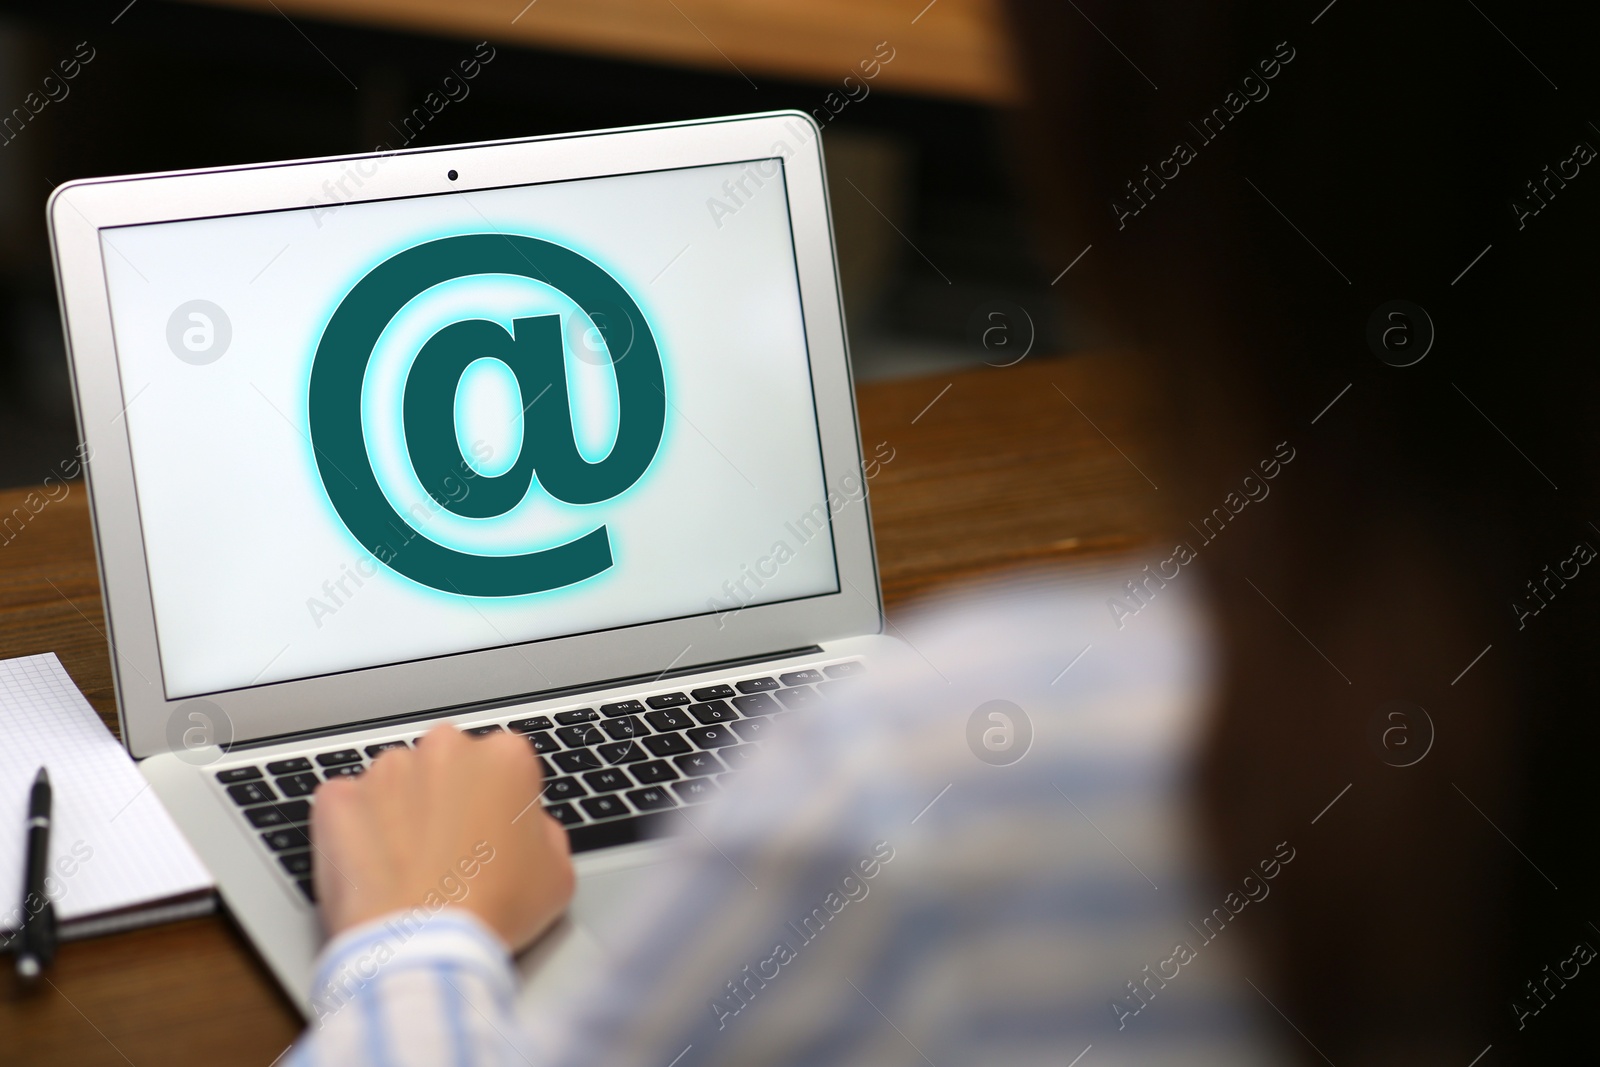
(882, 888)
(885, 887)
(413, 987)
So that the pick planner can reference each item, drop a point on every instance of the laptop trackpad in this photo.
(571, 954)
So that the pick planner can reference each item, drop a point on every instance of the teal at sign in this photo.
(533, 350)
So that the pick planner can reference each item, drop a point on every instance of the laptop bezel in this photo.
(151, 723)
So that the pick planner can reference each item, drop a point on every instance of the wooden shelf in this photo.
(950, 48)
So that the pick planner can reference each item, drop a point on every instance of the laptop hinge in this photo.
(524, 698)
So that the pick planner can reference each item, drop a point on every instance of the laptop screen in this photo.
(366, 433)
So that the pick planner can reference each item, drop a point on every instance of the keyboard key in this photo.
(543, 742)
(714, 692)
(807, 677)
(667, 700)
(844, 670)
(485, 730)
(264, 817)
(711, 736)
(577, 761)
(603, 807)
(757, 685)
(739, 756)
(580, 736)
(669, 720)
(801, 696)
(608, 781)
(695, 790)
(657, 770)
(563, 789)
(573, 718)
(622, 752)
(622, 707)
(697, 763)
(251, 793)
(726, 780)
(652, 799)
(759, 704)
(565, 814)
(289, 766)
(238, 774)
(384, 746)
(298, 785)
(625, 727)
(282, 814)
(752, 729)
(349, 770)
(527, 726)
(545, 770)
(307, 889)
(296, 862)
(713, 711)
(335, 759)
(286, 838)
(666, 744)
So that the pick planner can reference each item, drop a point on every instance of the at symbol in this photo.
(534, 354)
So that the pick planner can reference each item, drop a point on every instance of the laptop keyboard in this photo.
(612, 771)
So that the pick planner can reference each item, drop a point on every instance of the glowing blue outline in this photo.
(612, 573)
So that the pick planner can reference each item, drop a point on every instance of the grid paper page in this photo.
(112, 844)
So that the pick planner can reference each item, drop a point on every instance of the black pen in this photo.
(36, 941)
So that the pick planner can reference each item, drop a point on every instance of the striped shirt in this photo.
(985, 855)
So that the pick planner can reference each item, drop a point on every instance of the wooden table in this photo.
(990, 467)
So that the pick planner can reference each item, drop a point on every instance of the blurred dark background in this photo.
(165, 92)
(1429, 152)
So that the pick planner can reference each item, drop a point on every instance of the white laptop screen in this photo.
(370, 433)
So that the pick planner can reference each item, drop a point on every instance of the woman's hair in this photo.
(1366, 234)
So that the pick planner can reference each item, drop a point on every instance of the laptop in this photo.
(553, 436)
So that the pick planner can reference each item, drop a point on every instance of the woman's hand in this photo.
(456, 820)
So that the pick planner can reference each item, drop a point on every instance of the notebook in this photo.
(116, 859)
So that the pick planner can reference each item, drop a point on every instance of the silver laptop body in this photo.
(552, 435)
